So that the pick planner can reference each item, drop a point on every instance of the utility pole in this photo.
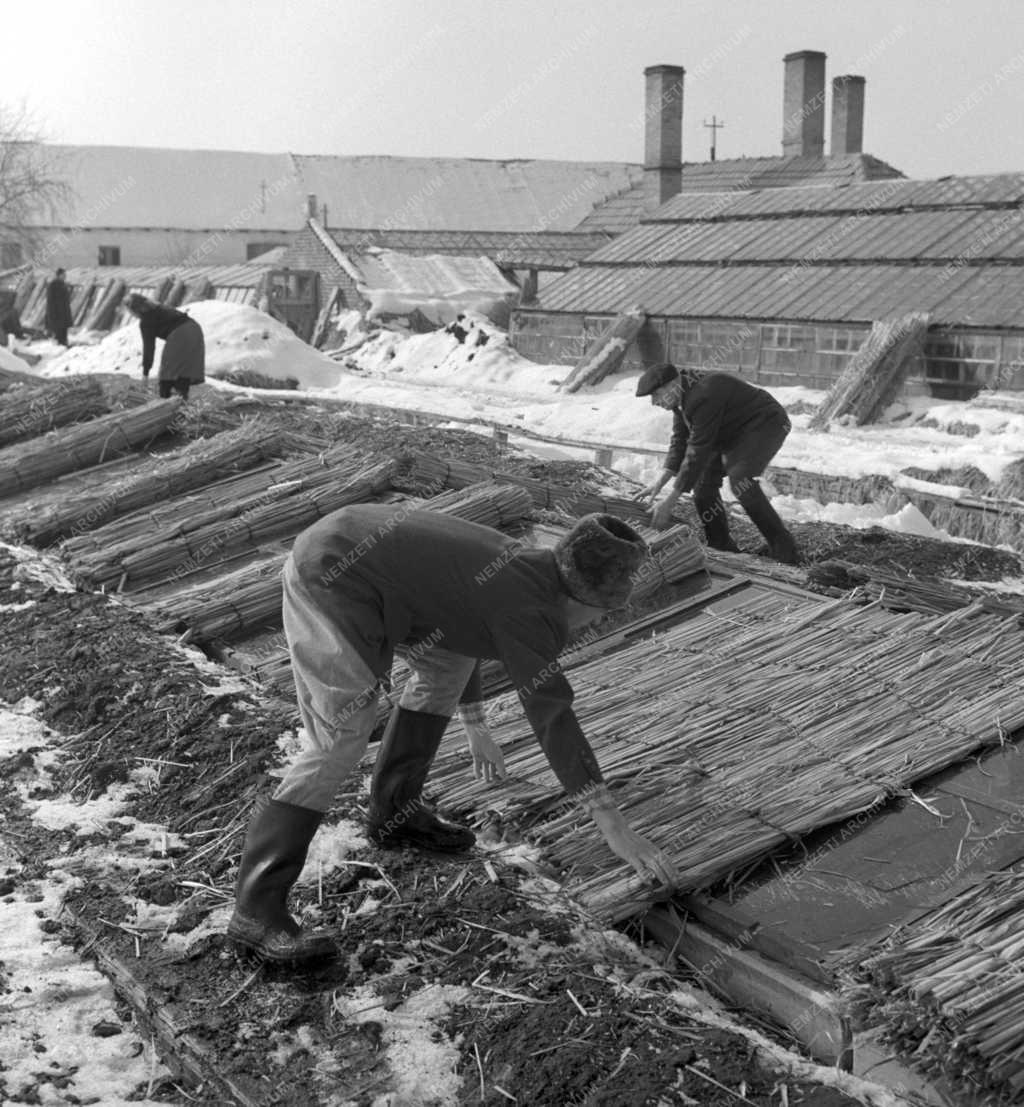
(714, 126)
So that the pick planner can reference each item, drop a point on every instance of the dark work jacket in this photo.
(58, 305)
(388, 576)
(158, 322)
(717, 410)
(10, 321)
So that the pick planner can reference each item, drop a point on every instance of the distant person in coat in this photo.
(723, 427)
(10, 320)
(369, 578)
(183, 360)
(58, 308)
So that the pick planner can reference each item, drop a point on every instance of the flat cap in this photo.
(652, 379)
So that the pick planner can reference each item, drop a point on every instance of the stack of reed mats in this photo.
(948, 990)
(753, 723)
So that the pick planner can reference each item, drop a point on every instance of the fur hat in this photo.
(656, 377)
(597, 560)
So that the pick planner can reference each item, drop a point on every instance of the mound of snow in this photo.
(237, 337)
(12, 362)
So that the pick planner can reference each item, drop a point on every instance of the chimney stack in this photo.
(663, 134)
(803, 106)
(847, 115)
(311, 205)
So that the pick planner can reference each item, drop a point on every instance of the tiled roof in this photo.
(145, 187)
(952, 247)
(149, 276)
(507, 249)
(461, 194)
(739, 174)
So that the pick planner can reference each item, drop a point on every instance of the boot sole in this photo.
(249, 951)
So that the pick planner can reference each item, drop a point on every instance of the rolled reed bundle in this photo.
(281, 512)
(200, 463)
(39, 460)
(226, 497)
(811, 712)
(51, 404)
(675, 554)
(958, 975)
(238, 602)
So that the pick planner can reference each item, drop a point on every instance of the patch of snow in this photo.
(422, 1062)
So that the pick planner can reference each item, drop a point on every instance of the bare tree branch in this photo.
(34, 189)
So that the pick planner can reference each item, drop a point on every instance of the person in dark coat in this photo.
(58, 308)
(370, 578)
(10, 320)
(183, 360)
(723, 427)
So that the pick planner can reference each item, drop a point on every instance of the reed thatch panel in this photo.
(228, 496)
(876, 371)
(209, 537)
(53, 403)
(246, 599)
(426, 474)
(29, 464)
(758, 722)
(200, 463)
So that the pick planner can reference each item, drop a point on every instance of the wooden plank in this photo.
(811, 1014)
(181, 1051)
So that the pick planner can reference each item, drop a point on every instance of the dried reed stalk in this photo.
(39, 460)
(200, 463)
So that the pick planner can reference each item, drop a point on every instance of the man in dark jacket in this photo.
(58, 308)
(722, 427)
(371, 577)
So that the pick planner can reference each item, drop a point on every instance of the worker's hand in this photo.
(488, 760)
(646, 495)
(647, 860)
(661, 515)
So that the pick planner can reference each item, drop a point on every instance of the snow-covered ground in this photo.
(476, 375)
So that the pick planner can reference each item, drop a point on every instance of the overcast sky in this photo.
(512, 78)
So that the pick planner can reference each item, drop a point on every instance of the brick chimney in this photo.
(803, 105)
(847, 115)
(311, 205)
(663, 134)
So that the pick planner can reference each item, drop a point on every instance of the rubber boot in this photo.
(397, 815)
(781, 546)
(275, 850)
(715, 522)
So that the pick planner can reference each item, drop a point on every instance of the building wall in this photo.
(79, 246)
(308, 252)
(956, 363)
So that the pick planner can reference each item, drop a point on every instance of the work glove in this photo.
(646, 859)
(488, 760)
